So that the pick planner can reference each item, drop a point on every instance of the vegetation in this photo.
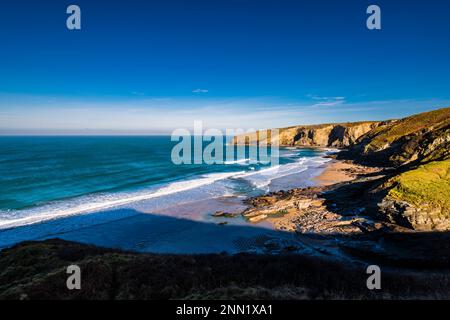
(37, 270)
(428, 186)
(416, 139)
(416, 124)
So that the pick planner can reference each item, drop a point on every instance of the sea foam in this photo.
(100, 202)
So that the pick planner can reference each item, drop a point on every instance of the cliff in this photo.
(413, 140)
(416, 192)
(337, 135)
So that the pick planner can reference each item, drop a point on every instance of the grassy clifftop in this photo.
(419, 198)
(416, 139)
(380, 137)
(428, 186)
(419, 138)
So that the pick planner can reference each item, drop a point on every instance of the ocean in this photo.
(48, 178)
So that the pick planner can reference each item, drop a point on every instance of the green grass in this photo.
(428, 186)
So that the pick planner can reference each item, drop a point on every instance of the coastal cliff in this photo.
(420, 138)
(413, 190)
(337, 135)
(417, 194)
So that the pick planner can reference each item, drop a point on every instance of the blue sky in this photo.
(152, 66)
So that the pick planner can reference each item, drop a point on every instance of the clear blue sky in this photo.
(157, 65)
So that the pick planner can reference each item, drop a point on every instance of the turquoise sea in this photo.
(46, 178)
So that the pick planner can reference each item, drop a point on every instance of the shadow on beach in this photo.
(148, 256)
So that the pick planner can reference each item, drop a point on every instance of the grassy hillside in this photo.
(428, 186)
(419, 138)
(423, 122)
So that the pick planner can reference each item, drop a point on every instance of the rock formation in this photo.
(338, 135)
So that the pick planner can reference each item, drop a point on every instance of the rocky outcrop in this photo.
(303, 211)
(419, 198)
(334, 209)
(421, 219)
(337, 135)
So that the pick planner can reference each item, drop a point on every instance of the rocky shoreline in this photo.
(340, 218)
(336, 234)
(307, 210)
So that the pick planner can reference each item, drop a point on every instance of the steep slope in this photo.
(338, 135)
(416, 139)
(417, 195)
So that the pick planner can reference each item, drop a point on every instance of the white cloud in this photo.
(327, 101)
(200, 91)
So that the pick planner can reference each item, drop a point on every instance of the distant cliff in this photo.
(338, 135)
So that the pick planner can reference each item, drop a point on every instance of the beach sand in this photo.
(336, 172)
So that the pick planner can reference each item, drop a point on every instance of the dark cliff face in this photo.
(416, 139)
(419, 138)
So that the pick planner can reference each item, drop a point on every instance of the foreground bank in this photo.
(37, 270)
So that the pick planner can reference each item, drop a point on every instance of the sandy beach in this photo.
(336, 172)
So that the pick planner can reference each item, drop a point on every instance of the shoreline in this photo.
(336, 171)
(305, 210)
(195, 220)
(180, 218)
(326, 223)
(164, 191)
